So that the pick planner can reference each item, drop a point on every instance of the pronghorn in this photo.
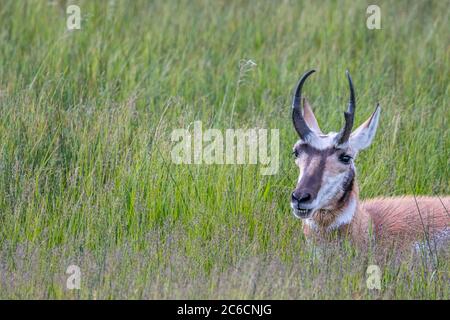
(326, 195)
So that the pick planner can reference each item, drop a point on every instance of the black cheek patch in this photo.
(347, 186)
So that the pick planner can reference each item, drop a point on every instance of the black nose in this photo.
(301, 197)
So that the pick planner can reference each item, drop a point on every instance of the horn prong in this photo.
(300, 124)
(349, 115)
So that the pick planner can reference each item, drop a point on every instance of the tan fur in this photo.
(395, 221)
(408, 217)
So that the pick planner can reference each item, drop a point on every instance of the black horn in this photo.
(349, 115)
(297, 116)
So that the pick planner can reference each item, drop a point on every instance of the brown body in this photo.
(399, 221)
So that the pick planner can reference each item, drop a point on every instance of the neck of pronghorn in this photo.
(398, 221)
(343, 218)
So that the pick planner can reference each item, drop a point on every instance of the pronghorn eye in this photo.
(345, 158)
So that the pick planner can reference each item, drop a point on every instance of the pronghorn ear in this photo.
(309, 116)
(362, 137)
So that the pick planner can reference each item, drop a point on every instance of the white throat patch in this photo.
(310, 223)
(345, 217)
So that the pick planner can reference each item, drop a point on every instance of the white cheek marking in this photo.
(328, 190)
(345, 217)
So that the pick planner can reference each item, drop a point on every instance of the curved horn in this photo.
(297, 117)
(349, 115)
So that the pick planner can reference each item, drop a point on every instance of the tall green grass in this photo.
(86, 176)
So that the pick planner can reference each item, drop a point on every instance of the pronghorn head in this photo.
(327, 170)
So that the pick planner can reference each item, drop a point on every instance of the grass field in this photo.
(86, 175)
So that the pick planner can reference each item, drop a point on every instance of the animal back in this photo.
(409, 217)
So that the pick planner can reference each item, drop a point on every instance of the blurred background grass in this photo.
(86, 117)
